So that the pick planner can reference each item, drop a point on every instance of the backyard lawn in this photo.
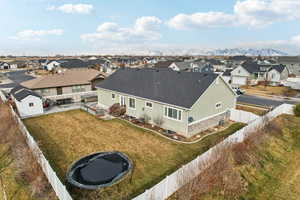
(65, 137)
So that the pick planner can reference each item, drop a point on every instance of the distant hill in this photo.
(247, 52)
(220, 52)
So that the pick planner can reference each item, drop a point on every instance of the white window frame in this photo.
(178, 110)
(148, 106)
(218, 107)
(121, 97)
(134, 103)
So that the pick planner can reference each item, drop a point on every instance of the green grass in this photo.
(65, 137)
(274, 174)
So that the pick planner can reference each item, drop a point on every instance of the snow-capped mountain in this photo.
(219, 52)
(248, 52)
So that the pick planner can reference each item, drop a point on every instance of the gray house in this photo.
(184, 102)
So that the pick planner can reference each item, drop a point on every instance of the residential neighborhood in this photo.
(149, 100)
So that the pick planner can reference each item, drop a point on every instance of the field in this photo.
(65, 137)
(256, 110)
(271, 90)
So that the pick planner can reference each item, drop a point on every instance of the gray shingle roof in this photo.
(21, 93)
(278, 68)
(251, 67)
(181, 89)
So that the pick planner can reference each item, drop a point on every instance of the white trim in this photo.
(206, 118)
(129, 103)
(120, 100)
(167, 117)
(148, 106)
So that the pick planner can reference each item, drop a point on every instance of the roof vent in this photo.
(157, 70)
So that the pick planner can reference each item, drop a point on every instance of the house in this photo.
(227, 76)
(292, 63)
(277, 74)
(165, 64)
(181, 66)
(17, 64)
(67, 87)
(51, 65)
(4, 65)
(248, 73)
(28, 103)
(183, 102)
(202, 67)
(216, 64)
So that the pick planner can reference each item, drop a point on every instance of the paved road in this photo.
(16, 77)
(263, 101)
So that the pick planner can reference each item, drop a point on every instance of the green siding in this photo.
(157, 111)
(206, 105)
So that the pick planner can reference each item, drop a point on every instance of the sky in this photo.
(73, 27)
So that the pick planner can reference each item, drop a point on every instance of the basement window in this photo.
(31, 104)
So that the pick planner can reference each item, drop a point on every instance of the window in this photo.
(172, 113)
(131, 103)
(31, 104)
(78, 88)
(149, 105)
(218, 105)
(45, 91)
(113, 96)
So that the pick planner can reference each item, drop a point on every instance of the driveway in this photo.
(263, 101)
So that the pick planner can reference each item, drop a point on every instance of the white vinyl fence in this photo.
(59, 188)
(242, 116)
(176, 180)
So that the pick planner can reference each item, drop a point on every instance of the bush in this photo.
(117, 110)
(297, 110)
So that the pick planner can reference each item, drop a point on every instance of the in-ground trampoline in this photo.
(99, 170)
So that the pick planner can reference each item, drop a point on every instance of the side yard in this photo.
(65, 137)
(265, 166)
(20, 175)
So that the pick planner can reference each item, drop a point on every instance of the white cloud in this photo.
(73, 8)
(36, 34)
(253, 13)
(144, 29)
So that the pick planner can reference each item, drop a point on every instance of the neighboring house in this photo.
(17, 64)
(28, 103)
(216, 64)
(4, 65)
(183, 102)
(164, 64)
(227, 76)
(277, 74)
(202, 67)
(248, 73)
(292, 63)
(51, 65)
(66, 87)
(181, 66)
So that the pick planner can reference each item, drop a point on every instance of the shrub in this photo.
(117, 110)
(297, 110)
(146, 118)
(158, 121)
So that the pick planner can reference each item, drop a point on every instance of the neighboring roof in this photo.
(183, 65)
(67, 78)
(278, 68)
(72, 64)
(21, 93)
(214, 62)
(227, 72)
(251, 67)
(181, 89)
(164, 64)
(240, 58)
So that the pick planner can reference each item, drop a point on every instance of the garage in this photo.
(239, 80)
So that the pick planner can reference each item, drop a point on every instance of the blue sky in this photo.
(44, 27)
